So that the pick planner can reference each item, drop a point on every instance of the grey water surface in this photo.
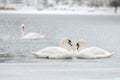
(98, 30)
(17, 61)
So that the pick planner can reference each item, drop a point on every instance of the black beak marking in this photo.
(69, 42)
(77, 45)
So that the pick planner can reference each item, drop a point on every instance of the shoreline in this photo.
(58, 12)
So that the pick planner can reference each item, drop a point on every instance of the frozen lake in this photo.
(98, 30)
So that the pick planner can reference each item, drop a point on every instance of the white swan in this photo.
(30, 35)
(92, 52)
(56, 52)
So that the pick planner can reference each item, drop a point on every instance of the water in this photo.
(98, 30)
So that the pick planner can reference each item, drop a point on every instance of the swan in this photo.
(91, 52)
(55, 52)
(31, 35)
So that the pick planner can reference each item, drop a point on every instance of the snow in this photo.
(64, 10)
(25, 8)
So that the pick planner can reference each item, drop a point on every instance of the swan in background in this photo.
(56, 52)
(31, 35)
(91, 52)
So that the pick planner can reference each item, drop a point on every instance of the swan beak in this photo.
(77, 46)
(69, 42)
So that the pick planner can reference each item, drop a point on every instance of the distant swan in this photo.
(30, 35)
(92, 52)
(56, 52)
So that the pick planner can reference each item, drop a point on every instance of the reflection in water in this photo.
(5, 57)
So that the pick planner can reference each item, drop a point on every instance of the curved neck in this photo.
(83, 45)
(63, 46)
(22, 33)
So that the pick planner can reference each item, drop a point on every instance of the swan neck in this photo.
(63, 46)
(22, 33)
(83, 46)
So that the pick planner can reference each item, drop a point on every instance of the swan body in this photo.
(55, 52)
(91, 52)
(31, 35)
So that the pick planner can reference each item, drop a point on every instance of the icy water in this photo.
(98, 30)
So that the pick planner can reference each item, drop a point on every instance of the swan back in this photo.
(93, 52)
(54, 52)
(33, 36)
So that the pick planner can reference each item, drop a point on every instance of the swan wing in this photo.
(53, 52)
(33, 36)
(93, 52)
(98, 52)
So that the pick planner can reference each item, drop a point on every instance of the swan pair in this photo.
(30, 36)
(65, 52)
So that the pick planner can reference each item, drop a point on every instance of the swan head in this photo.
(22, 25)
(67, 40)
(81, 41)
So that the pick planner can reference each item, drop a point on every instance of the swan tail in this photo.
(113, 52)
(33, 52)
(36, 54)
(110, 54)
